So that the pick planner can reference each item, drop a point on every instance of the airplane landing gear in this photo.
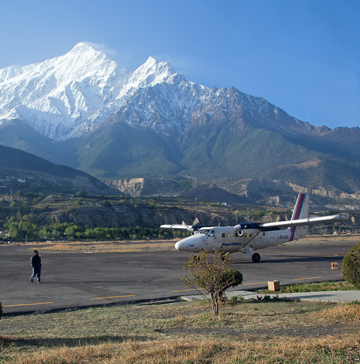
(256, 257)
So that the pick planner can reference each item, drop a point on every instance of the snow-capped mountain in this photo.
(73, 94)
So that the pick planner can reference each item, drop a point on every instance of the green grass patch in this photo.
(315, 287)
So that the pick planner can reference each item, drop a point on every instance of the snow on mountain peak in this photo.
(148, 74)
(82, 47)
(83, 62)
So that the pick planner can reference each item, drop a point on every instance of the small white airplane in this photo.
(247, 237)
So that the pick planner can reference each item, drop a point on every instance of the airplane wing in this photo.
(176, 226)
(299, 222)
(183, 225)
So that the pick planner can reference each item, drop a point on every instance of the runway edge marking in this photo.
(299, 279)
(29, 304)
(104, 298)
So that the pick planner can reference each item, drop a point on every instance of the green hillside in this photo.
(39, 174)
(121, 151)
(213, 152)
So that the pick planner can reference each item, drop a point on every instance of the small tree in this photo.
(351, 266)
(80, 193)
(212, 273)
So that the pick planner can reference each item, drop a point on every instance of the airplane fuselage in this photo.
(247, 237)
(227, 239)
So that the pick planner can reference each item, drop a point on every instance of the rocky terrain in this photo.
(233, 191)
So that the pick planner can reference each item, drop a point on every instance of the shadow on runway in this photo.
(298, 259)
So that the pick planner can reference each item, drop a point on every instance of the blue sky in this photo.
(301, 55)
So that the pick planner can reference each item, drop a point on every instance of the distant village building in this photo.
(4, 233)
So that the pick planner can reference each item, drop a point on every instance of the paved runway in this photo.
(80, 280)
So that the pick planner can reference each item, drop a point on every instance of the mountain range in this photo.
(85, 111)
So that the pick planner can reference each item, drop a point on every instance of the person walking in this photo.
(35, 261)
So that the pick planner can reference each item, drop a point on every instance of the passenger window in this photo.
(228, 235)
(223, 235)
(236, 235)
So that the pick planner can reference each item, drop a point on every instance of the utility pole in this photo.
(237, 216)
(11, 201)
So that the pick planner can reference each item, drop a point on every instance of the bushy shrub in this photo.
(212, 273)
(351, 266)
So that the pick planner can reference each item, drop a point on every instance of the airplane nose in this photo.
(192, 244)
(182, 245)
(177, 245)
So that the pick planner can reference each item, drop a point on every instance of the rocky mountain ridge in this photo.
(73, 94)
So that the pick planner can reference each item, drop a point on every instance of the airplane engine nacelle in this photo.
(248, 232)
(247, 229)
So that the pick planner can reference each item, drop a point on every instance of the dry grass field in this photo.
(122, 246)
(107, 246)
(246, 332)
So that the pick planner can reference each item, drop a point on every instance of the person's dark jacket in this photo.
(36, 261)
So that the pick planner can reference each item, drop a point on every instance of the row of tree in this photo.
(28, 227)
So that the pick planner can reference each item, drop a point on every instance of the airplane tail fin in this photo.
(301, 211)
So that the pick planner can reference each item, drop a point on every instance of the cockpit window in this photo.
(204, 231)
(212, 233)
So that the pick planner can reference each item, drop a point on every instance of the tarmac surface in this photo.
(84, 280)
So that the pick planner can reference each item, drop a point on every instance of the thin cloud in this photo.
(102, 47)
(124, 58)
(183, 65)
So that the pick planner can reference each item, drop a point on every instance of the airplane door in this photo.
(257, 242)
(210, 240)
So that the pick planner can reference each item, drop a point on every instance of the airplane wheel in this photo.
(256, 257)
